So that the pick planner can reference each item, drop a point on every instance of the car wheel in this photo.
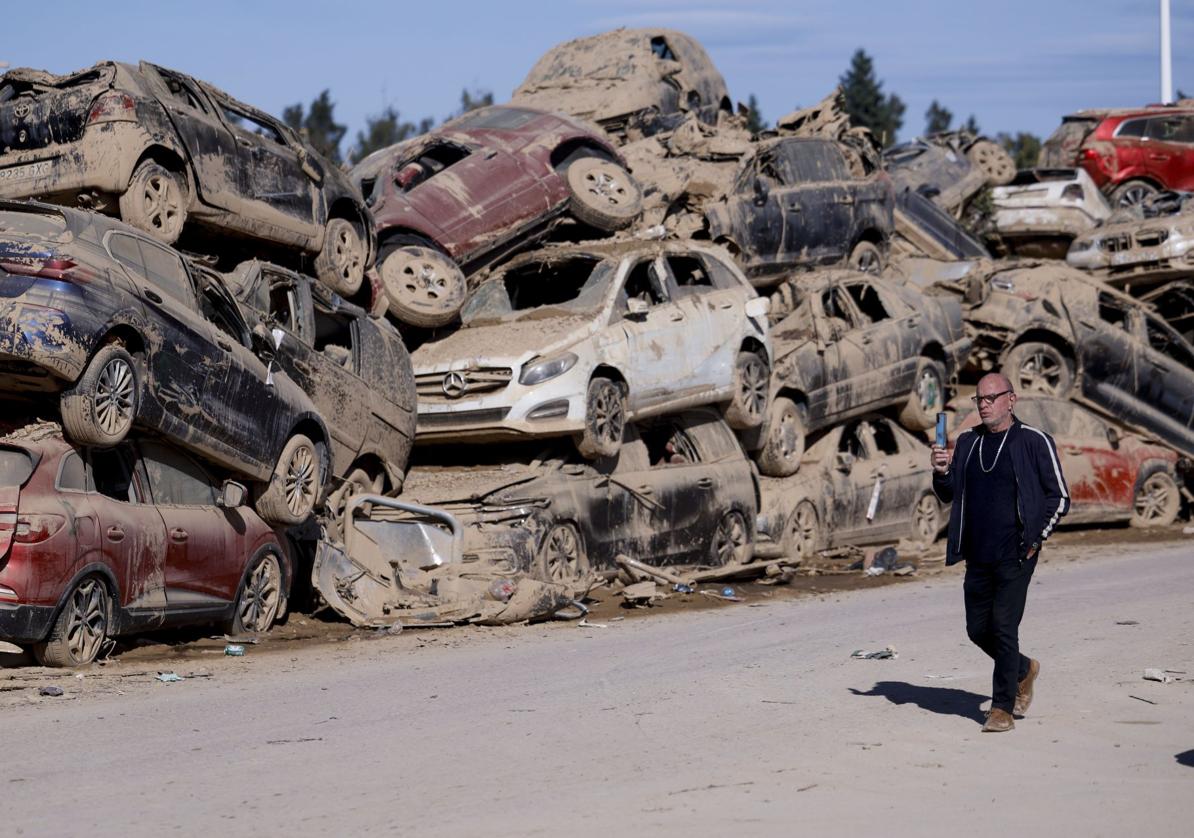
(731, 541)
(100, 408)
(802, 533)
(752, 382)
(926, 520)
(424, 286)
(605, 419)
(994, 161)
(341, 264)
(927, 398)
(357, 482)
(604, 195)
(1132, 192)
(81, 629)
(866, 258)
(1036, 367)
(259, 598)
(1158, 501)
(155, 201)
(783, 444)
(294, 486)
(561, 557)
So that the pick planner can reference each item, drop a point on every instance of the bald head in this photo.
(993, 382)
(996, 398)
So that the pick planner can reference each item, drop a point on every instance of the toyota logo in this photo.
(22, 110)
(453, 385)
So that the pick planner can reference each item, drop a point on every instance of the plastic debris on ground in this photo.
(882, 654)
(234, 650)
(52, 692)
(168, 677)
(1165, 676)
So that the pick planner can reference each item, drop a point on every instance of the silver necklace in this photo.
(997, 453)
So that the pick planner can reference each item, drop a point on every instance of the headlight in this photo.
(1080, 245)
(547, 370)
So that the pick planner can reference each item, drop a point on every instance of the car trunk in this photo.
(16, 465)
(38, 110)
(1061, 149)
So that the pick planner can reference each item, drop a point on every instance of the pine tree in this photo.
(318, 126)
(937, 118)
(1024, 148)
(754, 118)
(384, 130)
(865, 102)
(971, 125)
(470, 101)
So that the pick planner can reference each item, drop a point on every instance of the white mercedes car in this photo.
(579, 339)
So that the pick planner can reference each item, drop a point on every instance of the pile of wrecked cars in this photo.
(599, 335)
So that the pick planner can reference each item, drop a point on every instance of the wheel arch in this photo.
(386, 238)
(114, 594)
(612, 373)
(170, 159)
(753, 344)
(569, 149)
(1043, 335)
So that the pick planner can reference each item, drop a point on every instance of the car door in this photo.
(506, 192)
(427, 182)
(1131, 148)
(851, 484)
(850, 379)
(756, 213)
(1169, 143)
(1167, 391)
(637, 520)
(1100, 481)
(817, 201)
(1110, 355)
(711, 324)
(889, 336)
(657, 370)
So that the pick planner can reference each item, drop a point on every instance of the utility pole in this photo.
(1166, 57)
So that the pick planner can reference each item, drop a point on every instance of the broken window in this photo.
(689, 274)
(182, 93)
(1112, 312)
(866, 297)
(112, 475)
(661, 50)
(884, 438)
(721, 275)
(572, 285)
(1164, 340)
(245, 121)
(334, 338)
(72, 474)
(283, 305)
(837, 309)
(432, 160)
(852, 442)
(668, 445)
(175, 479)
(643, 284)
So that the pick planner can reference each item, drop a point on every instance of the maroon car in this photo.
(96, 543)
(478, 189)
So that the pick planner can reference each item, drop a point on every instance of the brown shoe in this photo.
(998, 721)
(1024, 691)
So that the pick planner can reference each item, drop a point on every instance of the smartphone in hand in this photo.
(941, 437)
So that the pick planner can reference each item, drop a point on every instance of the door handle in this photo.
(179, 535)
(153, 295)
(115, 534)
(241, 141)
(705, 483)
(1158, 157)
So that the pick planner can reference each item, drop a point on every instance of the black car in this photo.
(166, 151)
(125, 333)
(929, 230)
(796, 204)
(355, 368)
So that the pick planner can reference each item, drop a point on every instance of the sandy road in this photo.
(742, 720)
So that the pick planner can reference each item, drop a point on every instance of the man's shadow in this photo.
(1185, 758)
(943, 700)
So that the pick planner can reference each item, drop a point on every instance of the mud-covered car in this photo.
(97, 543)
(863, 482)
(850, 344)
(1041, 211)
(923, 229)
(1112, 476)
(1053, 330)
(478, 189)
(164, 151)
(631, 82)
(122, 331)
(354, 367)
(796, 204)
(680, 490)
(950, 167)
(580, 339)
(1147, 243)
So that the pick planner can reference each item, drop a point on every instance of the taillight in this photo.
(112, 106)
(1073, 192)
(7, 594)
(1090, 154)
(32, 529)
(53, 268)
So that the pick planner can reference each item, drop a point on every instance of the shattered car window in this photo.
(668, 445)
(430, 162)
(884, 439)
(811, 161)
(689, 274)
(852, 440)
(642, 283)
(244, 121)
(174, 479)
(661, 50)
(866, 297)
(112, 475)
(561, 288)
(334, 338)
(1113, 312)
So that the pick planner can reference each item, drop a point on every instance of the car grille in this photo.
(462, 417)
(437, 387)
(1117, 243)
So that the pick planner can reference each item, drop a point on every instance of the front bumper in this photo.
(24, 624)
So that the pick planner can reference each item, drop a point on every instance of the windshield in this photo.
(558, 288)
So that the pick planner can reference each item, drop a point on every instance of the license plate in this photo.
(30, 170)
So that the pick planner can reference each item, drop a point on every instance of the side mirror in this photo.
(1113, 438)
(232, 495)
(758, 307)
(636, 307)
(844, 462)
(761, 192)
(309, 168)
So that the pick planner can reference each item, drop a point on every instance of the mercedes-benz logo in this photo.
(453, 385)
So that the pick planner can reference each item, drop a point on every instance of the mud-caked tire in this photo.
(1132, 192)
(82, 626)
(341, 264)
(156, 201)
(424, 286)
(1157, 502)
(731, 541)
(1037, 367)
(926, 520)
(101, 407)
(752, 385)
(802, 533)
(260, 597)
(295, 485)
(867, 258)
(605, 419)
(357, 481)
(927, 398)
(561, 555)
(783, 440)
(604, 194)
(993, 161)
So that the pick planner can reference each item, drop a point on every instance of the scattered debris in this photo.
(52, 692)
(882, 654)
(584, 623)
(169, 677)
(1126, 623)
(1165, 676)
(1145, 700)
(234, 650)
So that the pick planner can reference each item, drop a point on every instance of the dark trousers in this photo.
(995, 595)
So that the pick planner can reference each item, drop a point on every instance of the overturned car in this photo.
(950, 167)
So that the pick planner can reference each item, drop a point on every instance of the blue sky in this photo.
(1017, 65)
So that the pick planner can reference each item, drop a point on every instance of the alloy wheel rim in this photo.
(563, 554)
(1133, 196)
(603, 184)
(1152, 503)
(789, 436)
(754, 387)
(1040, 372)
(163, 203)
(804, 529)
(114, 393)
(419, 282)
(867, 262)
(607, 417)
(259, 604)
(300, 480)
(345, 255)
(928, 388)
(731, 536)
(926, 517)
(87, 621)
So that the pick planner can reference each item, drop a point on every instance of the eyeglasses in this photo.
(981, 400)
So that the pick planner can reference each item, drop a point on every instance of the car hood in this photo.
(453, 486)
(598, 97)
(503, 344)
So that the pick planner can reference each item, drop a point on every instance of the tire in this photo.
(927, 398)
(731, 541)
(604, 195)
(1035, 367)
(752, 384)
(802, 532)
(783, 444)
(866, 258)
(561, 556)
(295, 484)
(341, 264)
(1158, 501)
(424, 287)
(1132, 192)
(81, 629)
(259, 598)
(101, 407)
(994, 161)
(605, 419)
(356, 482)
(926, 520)
(156, 201)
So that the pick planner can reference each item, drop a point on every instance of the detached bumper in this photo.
(25, 624)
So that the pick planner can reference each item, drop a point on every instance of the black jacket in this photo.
(1042, 496)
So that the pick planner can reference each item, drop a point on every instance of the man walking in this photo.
(1008, 494)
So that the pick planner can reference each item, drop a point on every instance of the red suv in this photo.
(1130, 154)
(96, 543)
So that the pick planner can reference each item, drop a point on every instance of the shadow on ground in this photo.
(943, 700)
(1185, 758)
